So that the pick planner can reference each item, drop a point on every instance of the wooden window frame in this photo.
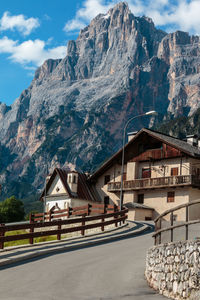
(174, 170)
(148, 171)
(170, 197)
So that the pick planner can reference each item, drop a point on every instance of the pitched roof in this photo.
(84, 190)
(175, 142)
(181, 145)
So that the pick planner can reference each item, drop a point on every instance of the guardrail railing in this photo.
(170, 213)
(116, 217)
(88, 209)
(149, 183)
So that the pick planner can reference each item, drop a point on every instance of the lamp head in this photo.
(151, 112)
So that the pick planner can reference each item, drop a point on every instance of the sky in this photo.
(33, 31)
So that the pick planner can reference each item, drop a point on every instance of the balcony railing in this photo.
(152, 183)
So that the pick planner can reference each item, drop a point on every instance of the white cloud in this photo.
(90, 9)
(30, 52)
(178, 14)
(18, 22)
(74, 25)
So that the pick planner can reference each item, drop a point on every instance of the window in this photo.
(146, 173)
(106, 179)
(106, 200)
(141, 198)
(174, 171)
(74, 179)
(170, 196)
(148, 218)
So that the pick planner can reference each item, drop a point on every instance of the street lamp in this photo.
(152, 112)
(45, 192)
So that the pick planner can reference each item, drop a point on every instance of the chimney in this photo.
(131, 135)
(193, 140)
(72, 180)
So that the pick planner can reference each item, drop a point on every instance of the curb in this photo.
(92, 240)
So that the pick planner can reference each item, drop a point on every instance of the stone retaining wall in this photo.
(173, 269)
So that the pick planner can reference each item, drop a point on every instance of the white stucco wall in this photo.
(157, 199)
(163, 167)
(132, 170)
(61, 201)
(115, 175)
(56, 187)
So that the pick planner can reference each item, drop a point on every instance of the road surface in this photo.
(109, 271)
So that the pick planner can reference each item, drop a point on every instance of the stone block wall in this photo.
(173, 269)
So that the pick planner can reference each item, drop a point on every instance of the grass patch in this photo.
(16, 243)
(25, 242)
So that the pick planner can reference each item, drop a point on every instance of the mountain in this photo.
(74, 111)
(181, 126)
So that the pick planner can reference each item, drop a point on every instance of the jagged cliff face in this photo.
(75, 108)
(181, 52)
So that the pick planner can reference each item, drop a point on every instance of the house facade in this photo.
(160, 172)
(65, 189)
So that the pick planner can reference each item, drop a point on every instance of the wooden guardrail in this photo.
(88, 209)
(116, 217)
(159, 182)
(158, 222)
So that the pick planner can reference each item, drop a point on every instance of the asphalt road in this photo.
(104, 272)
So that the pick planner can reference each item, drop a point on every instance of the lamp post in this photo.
(45, 187)
(45, 192)
(152, 112)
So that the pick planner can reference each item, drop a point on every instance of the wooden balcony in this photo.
(152, 183)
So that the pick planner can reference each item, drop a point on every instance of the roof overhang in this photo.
(118, 155)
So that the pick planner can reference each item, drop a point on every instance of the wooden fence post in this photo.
(105, 209)
(83, 224)
(50, 215)
(2, 233)
(31, 229)
(160, 225)
(68, 212)
(59, 235)
(116, 217)
(172, 223)
(102, 226)
(88, 209)
(123, 214)
(31, 218)
(186, 226)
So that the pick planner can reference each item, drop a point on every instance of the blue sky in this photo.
(33, 31)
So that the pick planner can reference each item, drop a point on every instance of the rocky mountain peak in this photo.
(108, 39)
(3, 109)
(46, 69)
(119, 66)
